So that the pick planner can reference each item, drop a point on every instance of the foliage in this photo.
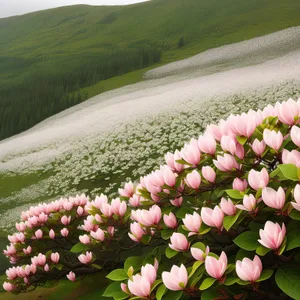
(220, 219)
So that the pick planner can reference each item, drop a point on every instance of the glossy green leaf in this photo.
(79, 247)
(207, 283)
(229, 221)
(117, 275)
(289, 171)
(287, 278)
(235, 194)
(265, 274)
(247, 240)
(170, 252)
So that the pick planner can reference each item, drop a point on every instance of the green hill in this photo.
(53, 59)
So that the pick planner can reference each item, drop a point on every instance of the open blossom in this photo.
(231, 145)
(85, 258)
(192, 222)
(212, 217)
(296, 204)
(139, 286)
(292, 157)
(198, 254)
(137, 232)
(207, 143)
(191, 153)
(227, 207)
(176, 279)
(64, 232)
(171, 161)
(249, 270)
(177, 201)
(216, 267)
(148, 271)
(147, 217)
(287, 111)
(249, 203)
(209, 173)
(128, 190)
(258, 147)
(27, 250)
(39, 260)
(170, 220)
(193, 179)
(119, 208)
(8, 286)
(272, 198)
(273, 139)
(84, 239)
(239, 184)
(169, 176)
(179, 242)
(98, 235)
(65, 220)
(71, 276)
(226, 163)
(258, 179)
(272, 235)
(135, 200)
(295, 135)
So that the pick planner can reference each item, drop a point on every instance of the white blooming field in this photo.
(123, 134)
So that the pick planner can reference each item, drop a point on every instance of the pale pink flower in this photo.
(64, 232)
(38, 234)
(227, 207)
(11, 273)
(216, 267)
(193, 179)
(212, 217)
(128, 190)
(249, 270)
(98, 235)
(258, 179)
(179, 242)
(55, 257)
(51, 234)
(149, 272)
(176, 279)
(71, 276)
(192, 222)
(272, 198)
(27, 250)
(273, 139)
(249, 203)
(85, 258)
(258, 147)
(139, 286)
(46, 268)
(226, 163)
(295, 135)
(170, 220)
(198, 254)
(124, 288)
(119, 208)
(147, 217)
(272, 235)
(191, 153)
(135, 200)
(8, 286)
(84, 239)
(292, 157)
(209, 173)
(296, 204)
(169, 176)
(239, 184)
(177, 201)
(39, 260)
(287, 111)
(137, 232)
(65, 220)
(207, 143)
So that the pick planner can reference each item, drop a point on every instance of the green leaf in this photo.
(170, 252)
(96, 266)
(230, 268)
(155, 284)
(170, 295)
(210, 294)
(117, 275)
(160, 292)
(293, 240)
(230, 280)
(200, 246)
(133, 261)
(262, 251)
(289, 171)
(241, 282)
(295, 214)
(166, 233)
(247, 240)
(242, 254)
(235, 194)
(183, 211)
(207, 283)
(287, 278)
(114, 290)
(196, 265)
(229, 221)
(241, 139)
(265, 274)
(79, 247)
(204, 228)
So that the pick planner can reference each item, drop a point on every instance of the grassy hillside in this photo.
(53, 59)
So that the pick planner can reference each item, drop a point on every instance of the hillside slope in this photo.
(47, 57)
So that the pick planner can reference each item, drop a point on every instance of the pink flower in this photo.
(128, 190)
(119, 208)
(65, 220)
(55, 257)
(227, 207)
(296, 204)
(137, 232)
(149, 272)
(191, 154)
(273, 139)
(98, 235)
(169, 176)
(287, 111)
(147, 217)
(230, 144)
(226, 163)
(39, 260)
(179, 242)
(192, 222)
(84, 239)
(272, 198)
(8, 286)
(207, 143)
(111, 230)
(106, 210)
(46, 268)
(212, 217)
(135, 200)
(239, 184)
(176, 279)
(11, 273)
(177, 201)
(258, 179)
(272, 235)
(27, 250)
(292, 157)
(243, 125)
(198, 254)
(67, 205)
(80, 211)
(38, 234)
(209, 173)
(215, 131)
(51, 234)
(64, 232)
(171, 161)
(139, 286)
(85, 258)
(193, 179)
(124, 288)
(249, 203)
(295, 135)
(258, 147)
(170, 220)
(216, 267)
(249, 270)
(21, 226)
(71, 276)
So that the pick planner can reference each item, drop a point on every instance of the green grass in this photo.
(50, 54)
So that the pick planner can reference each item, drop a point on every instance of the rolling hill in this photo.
(54, 59)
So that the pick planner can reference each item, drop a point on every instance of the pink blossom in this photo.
(135, 200)
(11, 273)
(65, 220)
(192, 222)
(177, 201)
(179, 242)
(55, 257)
(149, 272)
(8, 286)
(128, 190)
(137, 232)
(176, 279)
(226, 163)
(10, 250)
(198, 254)
(239, 184)
(193, 179)
(38, 234)
(258, 147)
(67, 205)
(170, 220)
(98, 235)
(46, 268)
(111, 230)
(39, 260)
(207, 143)
(292, 157)
(80, 211)
(249, 203)
(231, 145)
(64, 232)
(85, 258)
(295, 135)
(249, 270)
(119, 208)
(147, 217)
(272, 235)
(84, 239)
(139, 286)
(191, 153)
(258, 179)
(71, 276)
(209, 173)
(171, 161)
(273, 139)
(27, 250)
(21, 226)
(287, 111)
(51, 234)
(216, 267)
(296, 204)
(212, 217)
(227, 207)
(124, 288)
(272, 198)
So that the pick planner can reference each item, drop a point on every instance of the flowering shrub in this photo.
(221, 220)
